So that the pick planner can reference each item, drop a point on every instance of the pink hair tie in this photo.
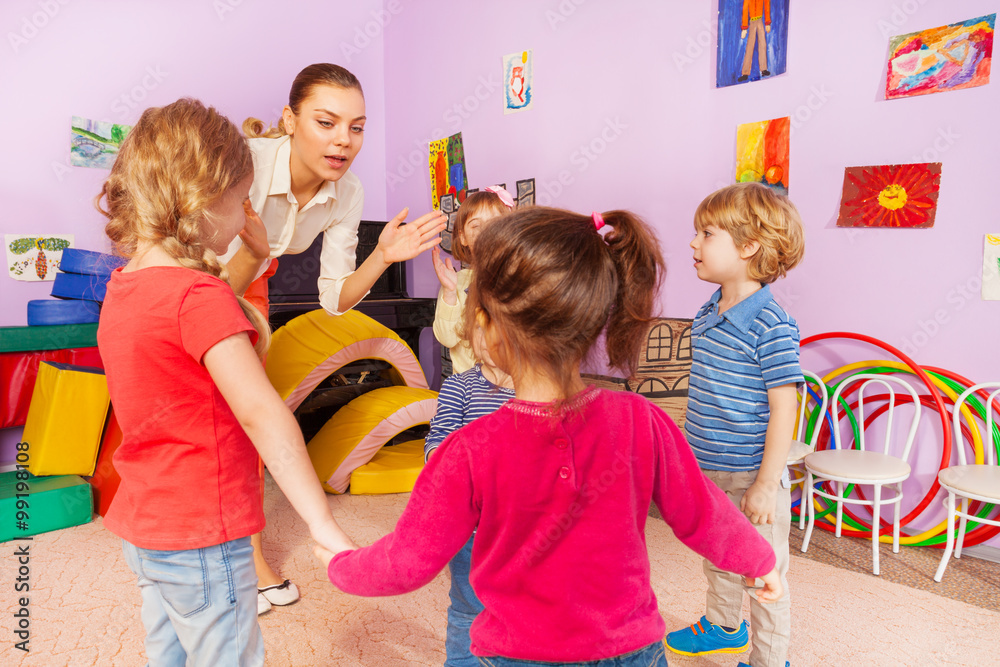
(598, 220)
(504, 196)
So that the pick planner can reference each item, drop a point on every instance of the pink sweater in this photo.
(561, 502)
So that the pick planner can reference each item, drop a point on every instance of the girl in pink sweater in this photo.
(559, 480)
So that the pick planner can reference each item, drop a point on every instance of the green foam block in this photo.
(56, 337)
(52, 503)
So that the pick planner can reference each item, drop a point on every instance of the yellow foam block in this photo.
(65, 419)
(392, 470)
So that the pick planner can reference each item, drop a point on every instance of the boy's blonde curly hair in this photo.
(752, 212)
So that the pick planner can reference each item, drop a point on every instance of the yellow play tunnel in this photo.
(313, 346)
(359, 429)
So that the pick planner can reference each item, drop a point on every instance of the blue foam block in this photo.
(89, 263)
(77, 286)
(47, 312)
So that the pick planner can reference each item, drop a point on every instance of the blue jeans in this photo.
(199, 605)
(654, 655)
(462, 611)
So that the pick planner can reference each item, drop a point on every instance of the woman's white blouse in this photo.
(335, 211)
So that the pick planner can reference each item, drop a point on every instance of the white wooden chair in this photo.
(975, 481)
(797, 452)
(860, 466)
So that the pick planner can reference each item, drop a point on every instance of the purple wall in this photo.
(108, 60)
(627, 115)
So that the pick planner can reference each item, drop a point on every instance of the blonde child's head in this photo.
(546, 284)
(177, 164)
(753, 213)
(478, 209)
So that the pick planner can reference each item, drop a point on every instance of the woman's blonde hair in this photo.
(319, 74)
(752, 212)
(174, 165)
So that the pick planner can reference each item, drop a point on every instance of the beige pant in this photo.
(770, 624)
(755, 33)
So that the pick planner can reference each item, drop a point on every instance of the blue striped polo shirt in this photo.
(736, 358)
(464, 397)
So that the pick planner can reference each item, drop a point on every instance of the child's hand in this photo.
(399, 242)
(447, 274)
(254, 234)
(331, 538)
(758, 502)
(771, 591)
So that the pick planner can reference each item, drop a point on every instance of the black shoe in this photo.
(765, 73)
(743, 78)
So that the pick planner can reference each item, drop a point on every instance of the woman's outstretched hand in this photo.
(400, 242)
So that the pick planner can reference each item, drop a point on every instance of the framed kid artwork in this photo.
(752, 40)
(936, 60)
(762, 153)
(518, 80)
(899, 195)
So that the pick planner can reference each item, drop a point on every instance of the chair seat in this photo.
(798, 451)
(979, 482)
(851, 464)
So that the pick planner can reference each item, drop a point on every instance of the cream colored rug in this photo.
(85, 605)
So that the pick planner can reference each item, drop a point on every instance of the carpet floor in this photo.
(84, 603)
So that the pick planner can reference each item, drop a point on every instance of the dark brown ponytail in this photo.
(549, 283)
(639, 264)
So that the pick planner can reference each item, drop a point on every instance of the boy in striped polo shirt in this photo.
(742, 401)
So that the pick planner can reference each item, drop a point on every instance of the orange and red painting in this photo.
(762, 153)
(901, 195)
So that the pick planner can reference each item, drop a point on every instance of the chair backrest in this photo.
(886, 382)
(985, 437)
(824, 396)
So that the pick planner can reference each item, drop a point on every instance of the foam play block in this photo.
(18, 371)
(78, 286)
(393, 469)
(89, 262)
(105, 480)
(52, 503)
(60, 337)
(65, 419)
(51, 312)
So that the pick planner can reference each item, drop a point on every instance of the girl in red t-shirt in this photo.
(190, 394)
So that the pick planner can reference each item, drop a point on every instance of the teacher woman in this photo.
(303, 187)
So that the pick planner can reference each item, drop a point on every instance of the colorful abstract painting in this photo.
(762, 153)
(95, 143)
(448, 173)
(991, 268)
(35, 258)
(901, 195)
(937, 60)
(518, 79)
(753, 40)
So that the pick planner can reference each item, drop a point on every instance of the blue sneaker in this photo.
(704, 637)
(745, 664)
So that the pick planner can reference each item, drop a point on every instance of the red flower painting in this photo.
(902, 195)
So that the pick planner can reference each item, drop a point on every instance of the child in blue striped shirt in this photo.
(463, 398)
(742, 401)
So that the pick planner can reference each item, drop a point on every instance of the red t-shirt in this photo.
(189, 472)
